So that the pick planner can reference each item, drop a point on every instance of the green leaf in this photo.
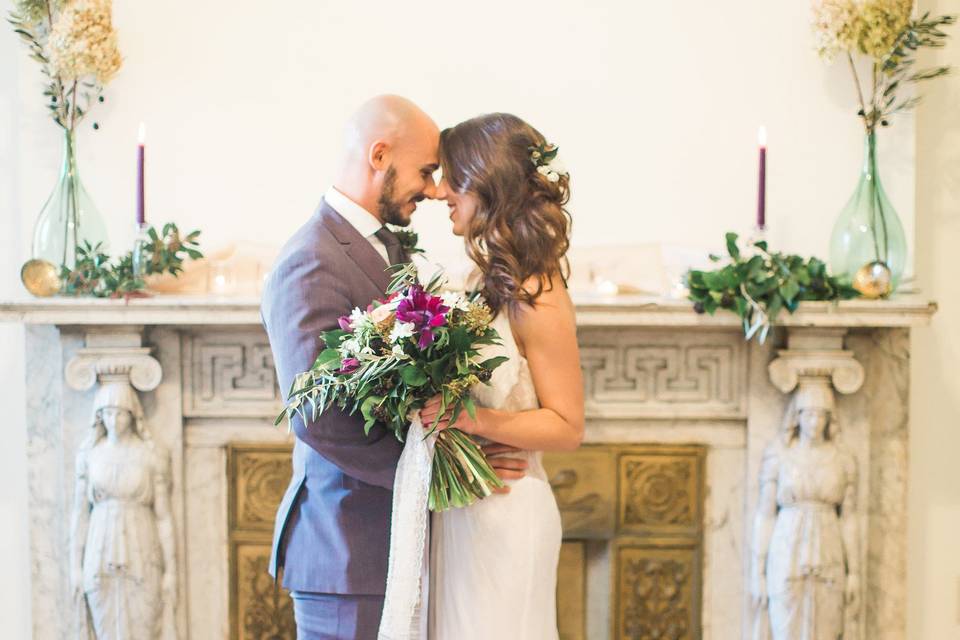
(327, 359)
(332, 339)
(732, 248)
(790, 289)
(366, 408)
(470, 407)
(714, 280)
(742, 307)
(492, 363)
(413, 376)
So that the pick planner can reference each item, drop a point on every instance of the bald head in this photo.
(389, 156)
(391, 119)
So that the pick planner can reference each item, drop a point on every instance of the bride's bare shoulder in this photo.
(552, 308)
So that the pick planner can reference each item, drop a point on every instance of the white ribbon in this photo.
(408, 569)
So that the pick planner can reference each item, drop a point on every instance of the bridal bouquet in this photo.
(388, 360)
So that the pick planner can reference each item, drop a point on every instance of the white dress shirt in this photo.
(359, 218)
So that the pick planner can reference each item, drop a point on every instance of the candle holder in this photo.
(757, 234)
(141, 240)
(221, 278)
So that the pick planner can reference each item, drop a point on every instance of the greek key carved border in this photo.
(649, 373)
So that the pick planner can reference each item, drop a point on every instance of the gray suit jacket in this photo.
(332, 529)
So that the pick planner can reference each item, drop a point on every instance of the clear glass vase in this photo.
(868, 230)
(68, 218)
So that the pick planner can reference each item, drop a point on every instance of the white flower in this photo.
(553, 176)
(543, 169)
(398, 352)
(454, 300)
(400, 331)
(357, 317)
(83, 41)
(350, 347)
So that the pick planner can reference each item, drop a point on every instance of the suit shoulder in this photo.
(312, 243)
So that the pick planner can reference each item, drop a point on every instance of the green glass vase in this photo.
(68, 218)
(868, 230)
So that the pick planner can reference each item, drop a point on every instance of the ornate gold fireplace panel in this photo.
(659, 492)
(644, 501)
(260, 609)
(647, 503)
(258, 475)
(657, 590)
(572, 591)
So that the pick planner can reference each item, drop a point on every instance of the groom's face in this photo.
(409, 178)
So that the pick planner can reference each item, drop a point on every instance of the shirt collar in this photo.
(359, 218)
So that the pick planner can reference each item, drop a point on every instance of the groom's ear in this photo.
(378, 156)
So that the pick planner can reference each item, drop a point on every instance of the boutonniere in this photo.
(408, 240)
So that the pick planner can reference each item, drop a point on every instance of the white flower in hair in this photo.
(544, 158)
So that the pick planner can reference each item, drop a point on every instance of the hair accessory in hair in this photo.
(544, 158)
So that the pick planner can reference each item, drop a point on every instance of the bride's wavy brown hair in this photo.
(521, 229)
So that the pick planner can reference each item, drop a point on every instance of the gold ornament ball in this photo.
(874, 280)
(40, 278)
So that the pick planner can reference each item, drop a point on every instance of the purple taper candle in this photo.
(762, 195)
(141, 136)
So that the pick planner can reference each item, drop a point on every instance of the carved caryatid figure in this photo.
(805, 557)
(122, 542)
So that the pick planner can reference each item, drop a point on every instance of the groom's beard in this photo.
(391, 211)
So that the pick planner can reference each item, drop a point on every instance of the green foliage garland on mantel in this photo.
(96, 274)
(757, 284)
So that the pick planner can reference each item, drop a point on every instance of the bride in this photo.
(494, 564)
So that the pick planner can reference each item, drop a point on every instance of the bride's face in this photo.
(462, 206)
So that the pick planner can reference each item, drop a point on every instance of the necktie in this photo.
(394, 250)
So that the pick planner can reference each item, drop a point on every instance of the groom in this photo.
(333, 526)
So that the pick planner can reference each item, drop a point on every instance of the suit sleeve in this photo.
(303, 299)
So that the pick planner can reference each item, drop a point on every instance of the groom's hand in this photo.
(507, 468)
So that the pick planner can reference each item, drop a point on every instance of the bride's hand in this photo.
(507, 468)
(464, 422)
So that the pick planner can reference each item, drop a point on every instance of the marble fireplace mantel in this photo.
(592, 310)
(655, 372)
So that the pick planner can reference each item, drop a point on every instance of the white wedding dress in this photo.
(493, 565)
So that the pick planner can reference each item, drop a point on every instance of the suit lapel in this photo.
(355, 246)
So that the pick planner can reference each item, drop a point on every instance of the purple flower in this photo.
(424, 311)
(348, 366)
(344, 322)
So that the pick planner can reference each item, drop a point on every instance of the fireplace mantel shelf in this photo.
(598, 311)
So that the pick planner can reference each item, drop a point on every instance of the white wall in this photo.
(14, 552)
(934, 560)
(654, 104)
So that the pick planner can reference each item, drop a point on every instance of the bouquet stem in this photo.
(461, 474)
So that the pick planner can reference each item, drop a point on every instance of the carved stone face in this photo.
(116, 420)
(813, 423)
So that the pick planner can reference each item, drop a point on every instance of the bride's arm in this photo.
(547, 334)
